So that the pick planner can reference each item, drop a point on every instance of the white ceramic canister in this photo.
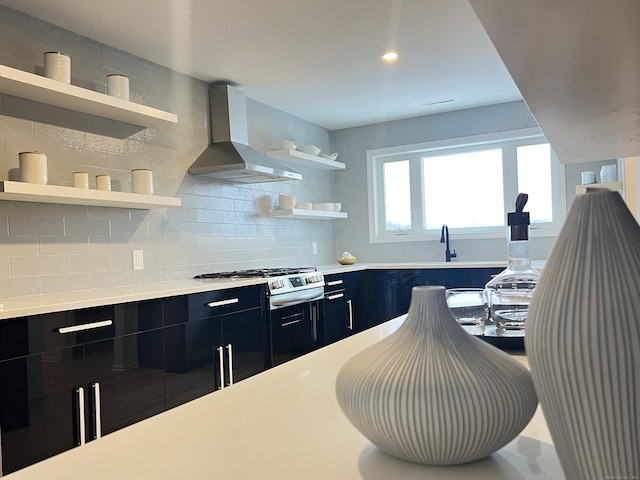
(103, 182)
(142, 181)
(118, 86)
(81, 179)
(33, 167)
(57, 66)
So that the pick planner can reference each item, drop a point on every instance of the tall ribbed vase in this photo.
(583, 340)
(433, 394)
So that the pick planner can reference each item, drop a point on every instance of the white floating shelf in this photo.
(31, 192)
(295, 157)
(52, 92)
(308, 214)
(617, 186)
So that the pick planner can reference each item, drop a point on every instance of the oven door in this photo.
(295, 330)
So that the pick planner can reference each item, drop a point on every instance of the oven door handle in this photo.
(277, 302)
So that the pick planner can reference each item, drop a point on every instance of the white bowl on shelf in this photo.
(327, 207)
(311, 150)
(288, 145)
(304, 205)
(333, 156)
(286, 202)
(337, 207)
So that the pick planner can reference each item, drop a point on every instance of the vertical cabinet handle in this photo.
(79, 427)
(230, 363)
(314, 322)
(350, 316)
(97, 410)
(0, 450)
(221, 366)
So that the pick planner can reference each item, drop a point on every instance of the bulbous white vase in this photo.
(431, 393)
(583, 340)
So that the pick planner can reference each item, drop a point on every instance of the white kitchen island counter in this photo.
(282, 424)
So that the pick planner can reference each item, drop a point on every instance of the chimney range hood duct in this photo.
(229, 157)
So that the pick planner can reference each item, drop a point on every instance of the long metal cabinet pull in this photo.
(334, 297)
(220, 303)
(84, 326)
(221, 366)
(0, 450)
(81, 420)
(350, 322)
(97, 411)
(314, 322)
(335, 282)
(230, 363)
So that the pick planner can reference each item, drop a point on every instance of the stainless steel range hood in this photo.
(229, 157)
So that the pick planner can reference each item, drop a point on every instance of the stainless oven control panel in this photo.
(295, 282)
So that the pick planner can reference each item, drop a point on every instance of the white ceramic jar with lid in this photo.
(33, 167)
(57, 66)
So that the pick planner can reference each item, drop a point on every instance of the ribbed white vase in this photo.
(583, 340)
(433, 394)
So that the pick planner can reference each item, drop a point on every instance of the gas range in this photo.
(259, 272)
(285, 286)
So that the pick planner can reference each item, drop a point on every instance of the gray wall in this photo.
(351, 185)
(47, 248)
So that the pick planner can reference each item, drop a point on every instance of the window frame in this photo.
(508, 140)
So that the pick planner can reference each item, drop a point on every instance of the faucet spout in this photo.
(444, 238)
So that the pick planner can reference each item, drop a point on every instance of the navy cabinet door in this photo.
(52, 357)
(211, 340)
(37, 417)
(344, 312)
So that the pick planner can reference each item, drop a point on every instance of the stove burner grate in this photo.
(258, 272)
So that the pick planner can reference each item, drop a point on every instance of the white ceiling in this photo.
(316, 59)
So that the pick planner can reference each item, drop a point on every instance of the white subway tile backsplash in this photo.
(63, 245)
(65, 282)
(20, 286)
(37, 265)
(68, 211)
(129, 228)
(4, 272)
(104, 244)
(35, 226)
(88, 263)
(114, 278)
(86, 226)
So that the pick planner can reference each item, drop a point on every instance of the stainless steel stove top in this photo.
(259, 272)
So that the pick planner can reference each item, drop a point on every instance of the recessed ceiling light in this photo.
(390, 56)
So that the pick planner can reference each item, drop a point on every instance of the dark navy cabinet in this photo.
(390, 290)
(69, 377)
(343, 305)
(213, 340)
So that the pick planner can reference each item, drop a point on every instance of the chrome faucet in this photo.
(444, 238)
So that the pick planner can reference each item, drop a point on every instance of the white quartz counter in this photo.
(282, 424)
(55, 302)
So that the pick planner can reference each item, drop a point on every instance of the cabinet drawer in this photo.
(53, 331)
(223, 302)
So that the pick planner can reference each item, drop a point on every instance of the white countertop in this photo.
(282, 424)
(56, 302)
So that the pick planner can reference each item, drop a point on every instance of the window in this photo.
(468, 184)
